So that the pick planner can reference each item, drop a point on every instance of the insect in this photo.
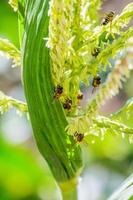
(96, 51)
(78, 136)
(80, 96)
(108, 18)
(58, 90)
(96, 82)
(67, 104)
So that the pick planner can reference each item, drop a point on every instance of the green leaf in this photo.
(21, 17)
(19, 5)
(46, 114)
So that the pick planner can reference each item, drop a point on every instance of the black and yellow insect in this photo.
(58, 90)
(79, 97)
(67, 104)
(96, 82)
(108, 18)
(96, 51)
(78, 136)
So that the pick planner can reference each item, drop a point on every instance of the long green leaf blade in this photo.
(47, 117)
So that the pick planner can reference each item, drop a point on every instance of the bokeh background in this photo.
(24, 175)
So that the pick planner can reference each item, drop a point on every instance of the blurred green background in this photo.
(8, 22)
(24, 175)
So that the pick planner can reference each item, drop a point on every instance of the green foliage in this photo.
(9, 23)
(21, 175)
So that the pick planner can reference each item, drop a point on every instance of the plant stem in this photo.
(69, 190)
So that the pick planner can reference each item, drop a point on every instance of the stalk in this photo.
(69, 189)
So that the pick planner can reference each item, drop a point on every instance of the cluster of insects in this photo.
(97, 79)
(67, 104)
(108, 19)
(58, 90)
(78, 136)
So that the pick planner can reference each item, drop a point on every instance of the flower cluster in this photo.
(14, 4)
(10, 51)
(8, 102)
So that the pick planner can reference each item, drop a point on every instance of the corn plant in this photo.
(64, 43)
